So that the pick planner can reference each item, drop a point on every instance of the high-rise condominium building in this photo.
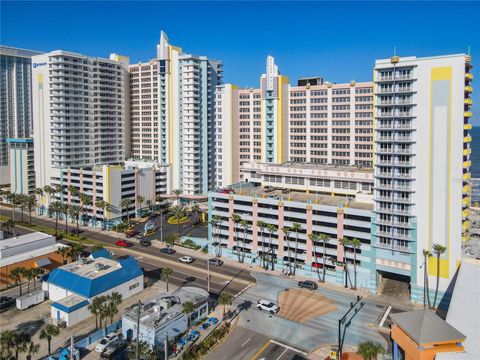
(422, 165)
(186, 118)
(80, 112)
(274, 113)
(313, 122)
(15, 100)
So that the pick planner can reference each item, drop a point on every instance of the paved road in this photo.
(244, 344)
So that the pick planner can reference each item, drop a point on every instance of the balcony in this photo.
(393, 247)
(394, 235)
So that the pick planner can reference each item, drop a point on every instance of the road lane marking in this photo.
(289, 347)
(284, 351)
(261, 350)
(245, 343)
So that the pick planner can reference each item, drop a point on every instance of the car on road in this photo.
(105, 341)
(123, 243)
(138, 236)
(145, 242)
(215, 262)
(267, 305)
(268, 189)
(6, 302)
(186, 259)
(113, 349)
(168, 251)
(308, 284)
(131, 233)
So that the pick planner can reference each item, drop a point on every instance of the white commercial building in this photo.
(80, 112)
(422, 165)
(73, 287)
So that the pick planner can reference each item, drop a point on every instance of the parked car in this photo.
(131, 233)
(308, 284)
(138, 236)
(268, 189)
(123, 243)
(105, 341)
(113, 349)
(168, 251)
(145, 242)
(267, 305)
(186, 259)
(215, 262)
(286, 191)
(213, 320)
(205, 325)
(6, 302)
(317, 265)
(76, 231)
(193, 335)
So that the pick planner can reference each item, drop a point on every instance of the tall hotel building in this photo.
(422, 165)
(15, 101)
(81, 112)
(176, 124)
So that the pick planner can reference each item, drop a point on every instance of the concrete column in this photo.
(309, 256)
(281, 212)
(254, 225)
(231, 225)
(69, 182)
(340, 248)
(94, 196)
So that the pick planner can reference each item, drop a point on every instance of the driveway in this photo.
(317, 328)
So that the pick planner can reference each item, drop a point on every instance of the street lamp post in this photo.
(139, 309)
(161, 225)
(208, 276)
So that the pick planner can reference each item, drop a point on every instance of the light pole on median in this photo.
(161, 225)
(208, 275)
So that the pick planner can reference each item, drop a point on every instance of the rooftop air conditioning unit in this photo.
(99, 266)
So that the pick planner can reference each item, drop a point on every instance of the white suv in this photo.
(267, 305)
(104, 342)
(186, 259)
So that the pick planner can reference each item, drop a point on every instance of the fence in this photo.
(97, 335)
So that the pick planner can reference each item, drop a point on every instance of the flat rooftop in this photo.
(303, 197)
(87, 268)
(71, 300)
(166, 307)
(310, 166)
(43, 251)
(22, 240)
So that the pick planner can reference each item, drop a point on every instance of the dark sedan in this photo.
(308, 284)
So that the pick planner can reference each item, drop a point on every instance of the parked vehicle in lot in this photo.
(131, 233)
(186, 259)
(112, 351)
(308, 284)
(123, 243)
(267, 305)
(28, 300)
(268, 189)
(145, 242)
(6, 302)
(317, 265)
(105, 341)
(286, 191)
(168, 251)
(193, 335)
(215, 262)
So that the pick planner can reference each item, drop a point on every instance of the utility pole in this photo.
(166, 346)
(161, 225)
(208, 275)
(139, 309)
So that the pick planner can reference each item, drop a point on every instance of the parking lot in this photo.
(303, 326)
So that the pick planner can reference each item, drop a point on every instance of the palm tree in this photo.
(177, 194)
(73, 190)
(96, 248)
(63, 252)
(426, 290)
(50, 191)
(369, 350)
(188, 309)
(245, 225)
(236, 219)
(271, 229)
(262, 225)
(74, 212)
(7, 338)
(64, 210)
(36, 272)
(324, 238)
(140, 199)
(9, 226)
(32, 349)
(29, 275)
(356, 245)
(16, 275)
(167, 272)
(314, 238)
(286, 230)
(178, 213)
(125, 204)
(345, 242)
(95, 307)
(20, 341)
(31, 203)
(438, 250)
(22, 204)
(85, 200)
(215, 223)
(39, 193)
(225, 299)
(74, 251)
(144, 351)
(296, 227)
(195, 209)
(56, 208)
(105, 207)
(47, 333)
(12, 199)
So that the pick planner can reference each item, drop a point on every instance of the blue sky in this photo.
(337, 40)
